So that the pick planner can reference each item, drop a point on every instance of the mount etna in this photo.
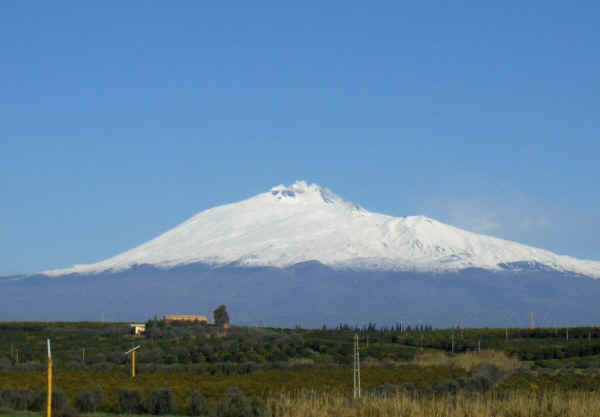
(299, 254)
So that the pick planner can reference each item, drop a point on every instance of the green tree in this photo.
(221, 316)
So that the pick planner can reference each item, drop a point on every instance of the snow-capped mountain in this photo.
(292, 224)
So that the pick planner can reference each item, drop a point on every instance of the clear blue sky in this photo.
(117, 123)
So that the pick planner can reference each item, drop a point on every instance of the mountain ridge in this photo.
(288, 225)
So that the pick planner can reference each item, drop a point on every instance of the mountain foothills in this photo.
(301, 254)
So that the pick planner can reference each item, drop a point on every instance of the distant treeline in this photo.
(93, 345)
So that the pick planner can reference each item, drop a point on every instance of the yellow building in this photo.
(185, 317)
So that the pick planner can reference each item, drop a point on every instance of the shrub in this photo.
(97, 398)
(234, 403)
(83, 402)
(59, 401)
(5, 364)
(60, 407)
(8, 398)
(30, 366)
(129, 401)
(393, 389)
(24, 399)
(89, 401)
(198, 406)
(160, 401)
(67, 411)
(96, 358)
(75, 366)
(102, 366)
(488, 371)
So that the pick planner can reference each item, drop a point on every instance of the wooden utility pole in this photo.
(132, 352)
(49, 393)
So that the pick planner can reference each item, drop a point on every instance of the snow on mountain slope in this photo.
(302, 222)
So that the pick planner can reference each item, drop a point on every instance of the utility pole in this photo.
(132, 352)
(356, 369)
(567, 334)
(49, 393)
(83, 355)
(452, 342)
(531, 321)
(479, 345)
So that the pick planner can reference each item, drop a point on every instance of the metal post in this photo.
(354, 371)
(358, 364)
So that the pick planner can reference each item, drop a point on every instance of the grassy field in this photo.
(310, 404)
(519, 404)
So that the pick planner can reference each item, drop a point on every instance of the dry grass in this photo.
(524, 404)
(467, 361)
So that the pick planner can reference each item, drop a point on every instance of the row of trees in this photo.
(233, 403)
